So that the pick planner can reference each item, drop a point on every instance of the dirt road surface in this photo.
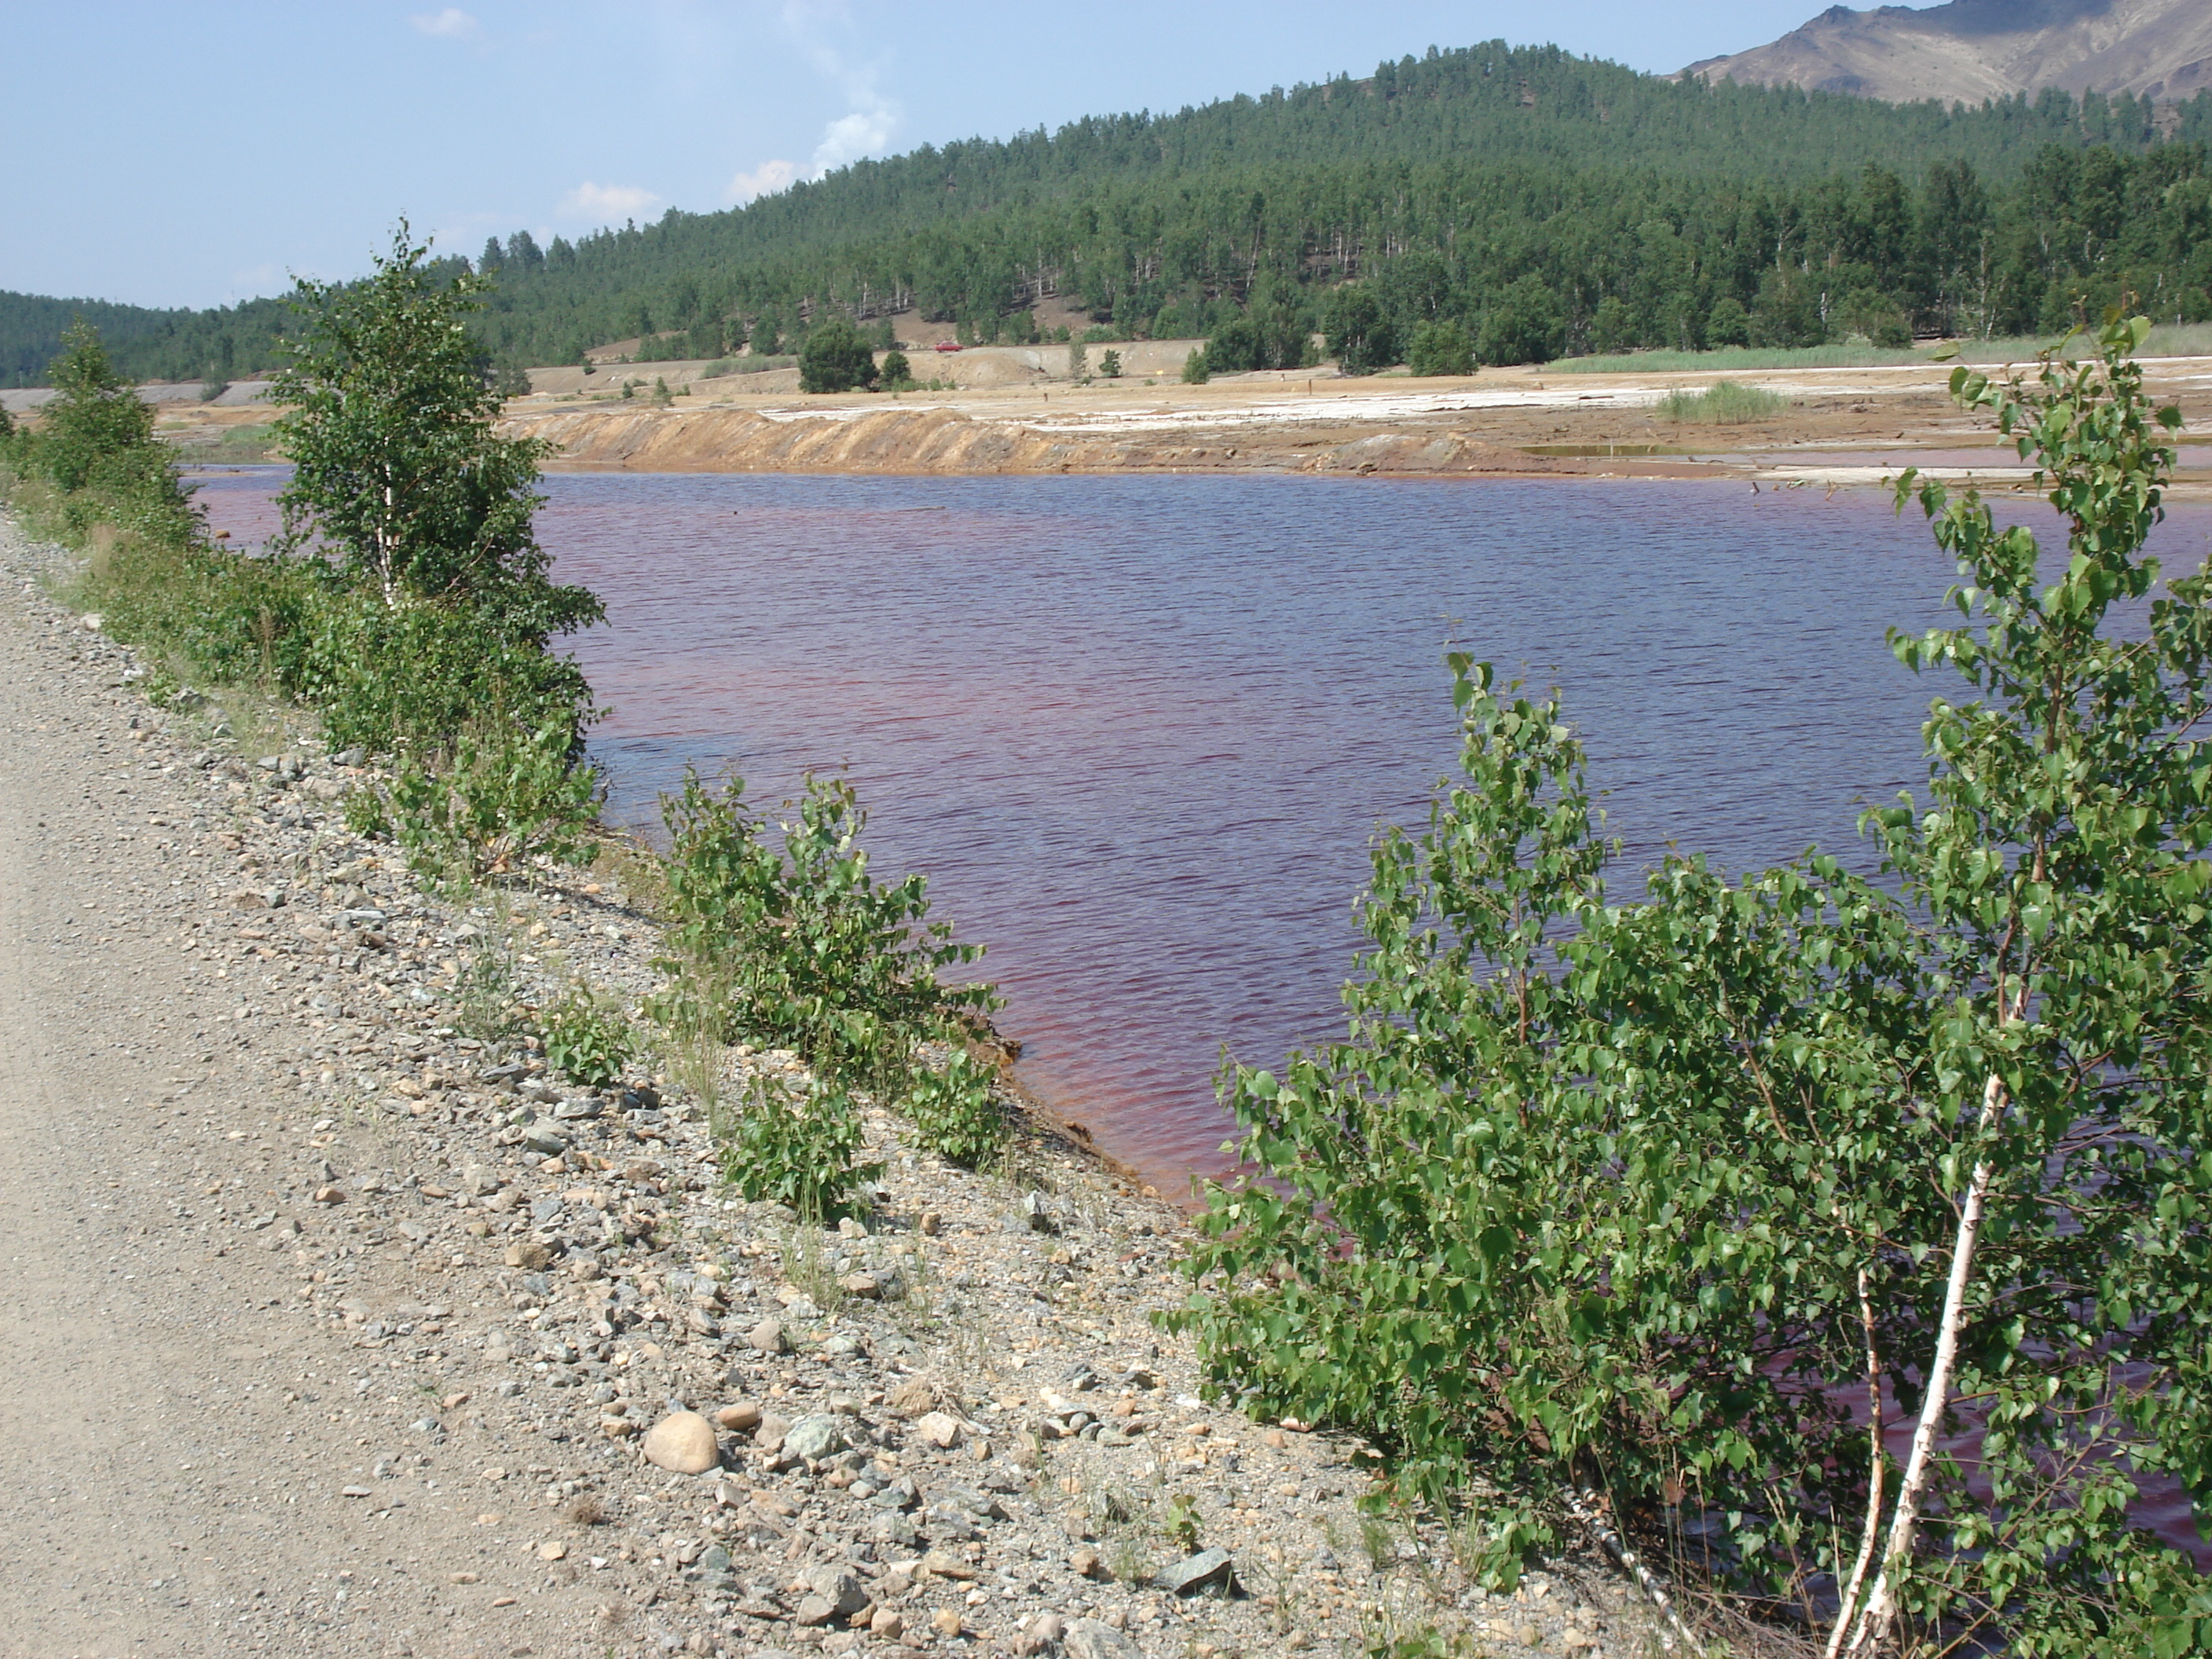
(179, 1436)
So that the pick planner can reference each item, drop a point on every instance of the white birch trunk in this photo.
(1874, 1623)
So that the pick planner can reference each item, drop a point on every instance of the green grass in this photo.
(722, 366)
(1726, 403)
(1667, 362)
(2166, 340)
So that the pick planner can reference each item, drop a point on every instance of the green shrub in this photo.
(1440, 348)
(837, 359)
(1195, 369)
(795, 1145)
(587, 1038)
(232, 619)
(897, 372)
(505, 798)
(409, 677)
(953, 1113)
(1725, 403)
(96, 451)
(801, 946)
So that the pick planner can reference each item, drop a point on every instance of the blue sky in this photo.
(187, 153)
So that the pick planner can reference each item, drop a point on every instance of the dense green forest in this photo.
(1541, 203)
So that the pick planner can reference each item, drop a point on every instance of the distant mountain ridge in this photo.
(1970, 50)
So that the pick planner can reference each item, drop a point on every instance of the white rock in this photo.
(683, 1443)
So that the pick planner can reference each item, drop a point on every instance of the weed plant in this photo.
(586, 1038)
(1725, 403)
(795, 1145)
(799, 945)
(498, 804)
(488, 994)
(954, 1113)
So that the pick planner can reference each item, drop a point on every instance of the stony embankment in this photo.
(533, 1336)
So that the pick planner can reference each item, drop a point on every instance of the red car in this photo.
(948, 345)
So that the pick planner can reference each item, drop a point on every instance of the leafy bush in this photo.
(587, 1039)
(1195, 368)
(1646, 1196)
(796, 1146)
(1725, 403)
(1440, 348)
(95, 452)
(953, 1113)
(233, 618)
(837, 359)
(897, 372)
(504, 798)
(801, 946)
(409, 677)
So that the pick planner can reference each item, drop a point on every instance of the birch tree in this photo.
(1678, 1213)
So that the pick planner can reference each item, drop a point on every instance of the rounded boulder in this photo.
(683, 1443)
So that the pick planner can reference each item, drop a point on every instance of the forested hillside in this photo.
(1542, 203)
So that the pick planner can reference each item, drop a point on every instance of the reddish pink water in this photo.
(1139, 730)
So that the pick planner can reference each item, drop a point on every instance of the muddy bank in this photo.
(950, 442)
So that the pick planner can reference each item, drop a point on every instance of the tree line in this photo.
(1448, 178)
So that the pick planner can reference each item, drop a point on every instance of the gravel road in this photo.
(178, 1432)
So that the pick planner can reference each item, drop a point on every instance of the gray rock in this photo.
(544, 1137)
(814, 1437)
(767, 1336)
(840, 1589)
(1090, 1638)
(895, 1527)
(1195, 1572)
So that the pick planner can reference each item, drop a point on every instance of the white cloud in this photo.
(866, 129)
(451, 24)
(606, 203)
(850, 138)
(765, 179)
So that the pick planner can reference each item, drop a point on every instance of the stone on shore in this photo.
(683, 1443)
(1195, 1572)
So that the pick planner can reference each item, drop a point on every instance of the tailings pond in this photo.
(1139, 731)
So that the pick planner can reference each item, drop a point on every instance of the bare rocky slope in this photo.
(1973, 50)
(338, 1330)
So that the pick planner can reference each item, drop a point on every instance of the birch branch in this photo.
(1587, 1507)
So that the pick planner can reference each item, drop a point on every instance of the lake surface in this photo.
(1139, 732)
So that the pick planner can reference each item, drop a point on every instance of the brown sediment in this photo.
(1835, 427)
(950, 442)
